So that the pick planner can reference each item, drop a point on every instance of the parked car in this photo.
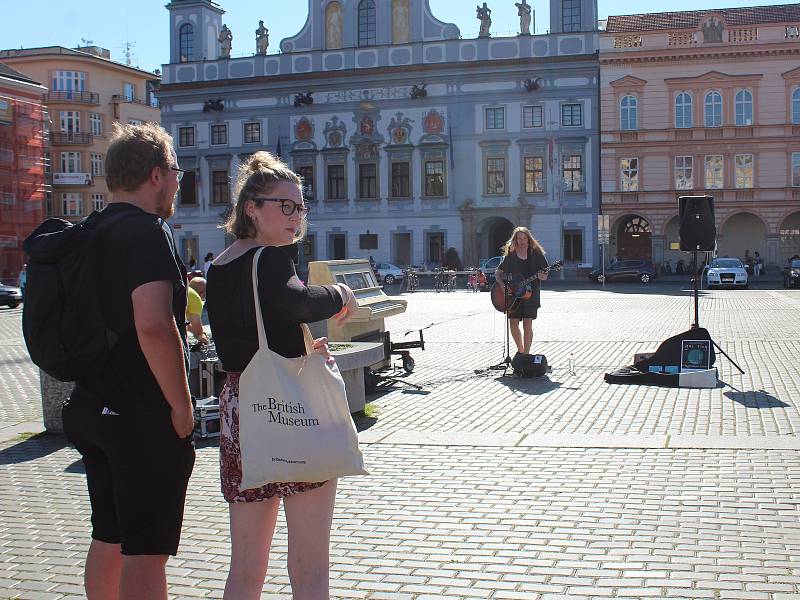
(389, 273)
(791, 275)
(726, 271)
(489, 267)
(10, 296)
(627, 269)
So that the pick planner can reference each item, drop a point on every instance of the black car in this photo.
(10, 296)
(791, 275)
(627, 269)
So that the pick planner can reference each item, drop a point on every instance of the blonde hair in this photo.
(511, 244)
(258, 175)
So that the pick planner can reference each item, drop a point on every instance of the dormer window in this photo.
(366, 23)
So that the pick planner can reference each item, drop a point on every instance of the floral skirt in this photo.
(230, 463)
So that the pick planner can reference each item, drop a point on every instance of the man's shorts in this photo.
(137, 472)
(526, 309)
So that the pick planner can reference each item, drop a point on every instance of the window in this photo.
(683, 172)
(629, 171)
(796, 106)
(188, 189)
(713, 110)
(47, 163)
(571, 16)
(71, 162)
(185, 136)
(368, 241)
(571, 115)
(744, 171)
(495, 175)
(744, 107)
(531, 116)
(401, 180)
(367, 180)
(534, 174)
(366, 23)
(573, 173)
(495, 118)
(219, 134)
(795, 169)
(70, 121)
(98, 201)
(135, 122)
(252, 132)
(714, 180)
(69, 81)
(96, 123)
(97, 164)
(629, 113)
(307, 175)
(220, 187)
(48, 203)
(186, 41)
(72, 204)
(434, 178)
(336, 182)
(573, 245)
(683, 111)
(129, 91)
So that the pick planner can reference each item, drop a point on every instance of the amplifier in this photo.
(206, 417)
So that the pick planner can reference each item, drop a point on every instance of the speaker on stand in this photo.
(698, 233)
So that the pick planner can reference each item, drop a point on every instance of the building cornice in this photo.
(664, 55)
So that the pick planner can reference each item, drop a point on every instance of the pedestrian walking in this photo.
(207, 263)
(133, 423)
(269, 215)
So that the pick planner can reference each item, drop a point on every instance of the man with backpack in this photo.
(130, 415)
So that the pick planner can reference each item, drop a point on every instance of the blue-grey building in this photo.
(410, 138)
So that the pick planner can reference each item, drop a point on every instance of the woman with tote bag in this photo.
(257, 308)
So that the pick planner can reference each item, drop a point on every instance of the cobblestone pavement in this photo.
(481, 487)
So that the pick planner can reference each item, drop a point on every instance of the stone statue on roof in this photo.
(484, 15)
(226, 41)
(524, 12)
(262, 38)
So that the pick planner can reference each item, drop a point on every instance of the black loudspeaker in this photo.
(698, 231)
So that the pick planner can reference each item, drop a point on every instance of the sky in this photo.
(144, 24)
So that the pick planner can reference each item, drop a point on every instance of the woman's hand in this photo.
(542, 275)
(349, 305)
(321, 348)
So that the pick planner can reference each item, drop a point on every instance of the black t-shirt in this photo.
(138, 249)
(527, 267)
(285, 303)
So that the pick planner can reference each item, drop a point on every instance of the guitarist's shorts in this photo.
(524, 310)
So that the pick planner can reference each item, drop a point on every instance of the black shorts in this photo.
(527, 309)
(137, 472)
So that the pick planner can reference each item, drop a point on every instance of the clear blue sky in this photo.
(144, 23)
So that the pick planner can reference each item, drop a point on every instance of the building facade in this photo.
(702, 102)
(87, 92)
(22, 166)
(410, 140)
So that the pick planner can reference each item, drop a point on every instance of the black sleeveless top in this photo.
(285, 303)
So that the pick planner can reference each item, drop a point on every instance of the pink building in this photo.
(702, 102)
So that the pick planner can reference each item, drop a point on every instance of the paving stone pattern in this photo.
(487, 513)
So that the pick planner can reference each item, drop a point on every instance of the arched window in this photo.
(796, 106)
(186, 38)
(744, 107)
(629, 112)
(366, 23)
(683, 110)
(713, 109)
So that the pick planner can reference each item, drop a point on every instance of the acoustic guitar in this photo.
(507, 297)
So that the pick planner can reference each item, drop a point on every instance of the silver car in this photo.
(726, 272)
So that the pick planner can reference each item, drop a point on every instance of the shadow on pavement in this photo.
(32, 448)
(755, 399)
(530, 385)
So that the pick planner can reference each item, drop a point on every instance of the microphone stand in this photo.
(506, 362)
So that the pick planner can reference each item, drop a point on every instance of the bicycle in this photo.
(410, 281)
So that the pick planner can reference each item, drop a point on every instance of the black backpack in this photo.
(62, 321)
(530, 365)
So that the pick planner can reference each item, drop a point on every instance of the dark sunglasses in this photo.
(288, 207)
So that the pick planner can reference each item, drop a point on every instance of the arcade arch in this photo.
(742, 233)
(633, 238)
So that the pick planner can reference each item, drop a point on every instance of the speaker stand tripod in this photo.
(696, 324)
(506, 362)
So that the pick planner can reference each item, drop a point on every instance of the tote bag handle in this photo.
(262, 333)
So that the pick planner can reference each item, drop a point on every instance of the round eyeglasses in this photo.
(288, 207)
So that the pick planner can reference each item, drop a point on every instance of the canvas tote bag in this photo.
(294, 420)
